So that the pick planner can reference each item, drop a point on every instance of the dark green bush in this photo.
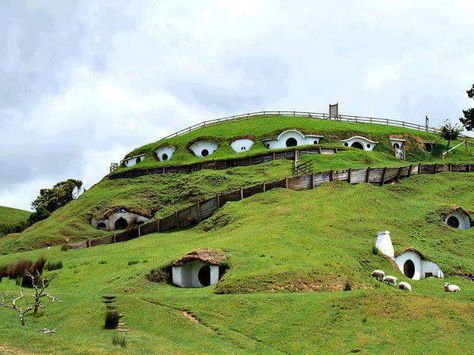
(347, 286)
(50, 266)
(112, 318)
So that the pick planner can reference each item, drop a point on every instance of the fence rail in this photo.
(194, 214)
(315, 115)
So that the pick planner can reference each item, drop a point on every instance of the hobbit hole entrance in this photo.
(121, 223)
(453, 221)
(358, 145)
(291, 142)
(428, 147)
(101, 225)
(204, 275)
(409, 268)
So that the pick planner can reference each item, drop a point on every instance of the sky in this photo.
(82, 83)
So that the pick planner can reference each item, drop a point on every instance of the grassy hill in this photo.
(10, 217)
(159, 195)
(290, 254)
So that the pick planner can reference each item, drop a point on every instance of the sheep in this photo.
(451, 288)
(392, 280)
(404, 286)
(379, 274)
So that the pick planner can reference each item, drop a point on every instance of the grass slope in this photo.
(279, 241)
(11, 216)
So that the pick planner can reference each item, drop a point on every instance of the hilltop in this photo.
(158, 195)
(10, 217)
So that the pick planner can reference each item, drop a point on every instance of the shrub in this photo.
(17, 269)
(347, 286)
(102, 262)
(119, 341)
(112, 318)
(375, 251)
(50, 266)
(133, 262)
(65, 247)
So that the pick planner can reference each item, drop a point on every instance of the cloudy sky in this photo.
(84, 82)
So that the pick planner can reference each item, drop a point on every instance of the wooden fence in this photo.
(192, 215)
(227, 163)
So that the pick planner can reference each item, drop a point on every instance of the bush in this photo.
(112, 318)
(102, 262)
(375, 251)
(50, 266)
(347, 286)
(65, 247)
(119, 341)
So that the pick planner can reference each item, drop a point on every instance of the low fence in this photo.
(192, 215)
(315, 115)
(228, 163)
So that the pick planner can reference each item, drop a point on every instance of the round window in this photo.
(453, 221)
(268, 145)
(346, 144)
(368, 145)
(164, 157)
(409, 269)
(204, 275)
(291, 142)
(315, 142)
(138, 160)
(204, 153)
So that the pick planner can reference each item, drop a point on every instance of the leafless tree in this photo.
(21, 311)
(40, 285)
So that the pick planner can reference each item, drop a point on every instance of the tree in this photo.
(14, 306)
(450, 131)
(49, 200)
(40, 285)
(468, 119)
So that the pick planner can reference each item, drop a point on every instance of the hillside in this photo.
(158, 195)
(276, 242)
(11, 217)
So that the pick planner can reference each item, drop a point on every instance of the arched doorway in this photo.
(204, 275)
(121, 223)
(204, 152)
(291, 142)
(453, 221)
(357, 145)
(396, 146)
(428, 147)
(409, 268)
(101, 225)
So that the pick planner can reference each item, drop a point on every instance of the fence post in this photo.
(241, 194)
(286, 182)
(312, 180)
(331, 175)
(273, 156)
(367, 174)
(468, 168)
(349, 175)
(218, 200)
(435, 168)
(383, 176)
(139, 231)
(449, 167)
(158, 225)
(419, 168)
(114, 238)
(264, 187)
(397, 179)
(409, 170)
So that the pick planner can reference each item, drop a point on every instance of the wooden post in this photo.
(199, 210)
(468, 168)
(88, 243)
(435, 168)
(286, 182)
(331, 175)
(312, 180)
(241, 194)
(449, 167)
(419, 168)
(158, 225)
(383, 176)
(139, 231)
(349, 175)
(397, 179)
(264, 187)
(409, 170)
(367, 175)
(218, 200)
(273, 156)
(114, 238)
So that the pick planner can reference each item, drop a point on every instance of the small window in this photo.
(204, 153)
(346, 144)
(315, 142)
(396, 146)
(428, 274)
(429, 147)
(101, 225)
(268, 145)
(139, 160)
(368, 145)
(164, 157)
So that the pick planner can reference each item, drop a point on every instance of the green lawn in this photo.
(277, 242)
(11, 216)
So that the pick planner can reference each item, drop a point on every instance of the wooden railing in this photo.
(191, 215)
(304, 168)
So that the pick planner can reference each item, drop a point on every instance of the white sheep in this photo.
(392, 280)
(379, 274)
(404, 286)
(451, 288)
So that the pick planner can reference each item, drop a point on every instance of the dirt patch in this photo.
(190, 316)
(4, 349)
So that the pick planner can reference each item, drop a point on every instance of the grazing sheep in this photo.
(451, 288)
(404, 286)
(379, 274)
(391, 280)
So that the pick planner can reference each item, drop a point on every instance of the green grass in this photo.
(270, 126)
(277, 242)
(11, 216)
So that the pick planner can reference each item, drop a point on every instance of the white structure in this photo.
(398, 145)
(242, 145)
(384, 244)
(203, 148)
(291, 138)
(195, 273)
(133, 160)
(458, 218)
(360, 143)
(165, 153)
(412, 264)
(118, 220)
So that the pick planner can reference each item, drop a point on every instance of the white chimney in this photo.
(384, 243)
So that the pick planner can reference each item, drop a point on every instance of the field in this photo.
(308, 242)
